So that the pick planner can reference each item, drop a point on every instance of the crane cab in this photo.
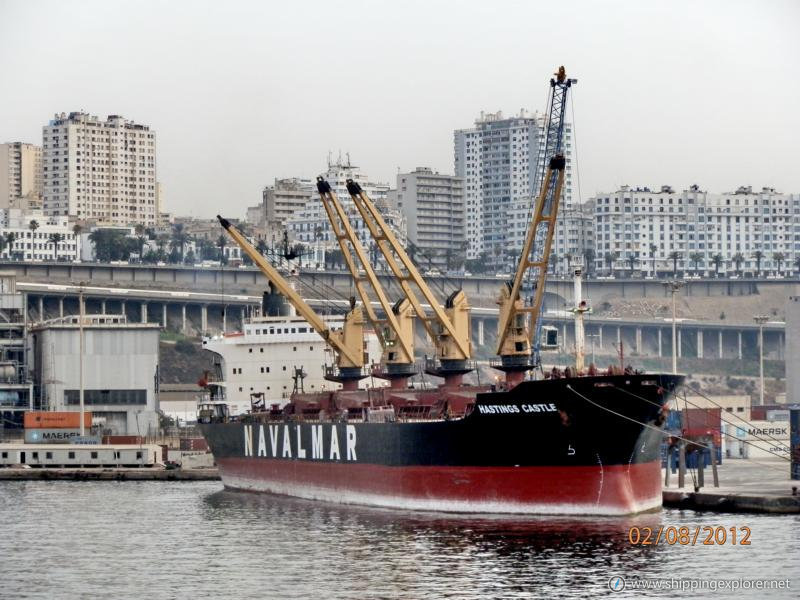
(549, 338)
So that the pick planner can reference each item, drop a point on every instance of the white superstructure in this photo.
(265, 356)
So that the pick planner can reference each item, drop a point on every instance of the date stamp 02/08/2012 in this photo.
(698, 535)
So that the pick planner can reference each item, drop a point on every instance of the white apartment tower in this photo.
(498, 160)
(101, 171)
(20, 176)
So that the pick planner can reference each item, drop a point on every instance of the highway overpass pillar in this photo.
(740, 344)
(680, 343)
(103, 307)
(122, 308)
(61, 307)
(243, 316)
(164, 314)
(41, 308)
(638, 340)
(719, 344)
(183, 319)
(203, 318)
(480, 332)
(699, 343)
(600, 333)
(660, 345)
(144, 312)
(224, 318)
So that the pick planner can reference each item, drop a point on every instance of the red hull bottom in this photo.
(596, 490)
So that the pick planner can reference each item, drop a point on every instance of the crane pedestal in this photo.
(515, 366)
(452, 371)
(398, 374)
(347, 376)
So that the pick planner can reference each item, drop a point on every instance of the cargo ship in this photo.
(571, 441)
(550, 446)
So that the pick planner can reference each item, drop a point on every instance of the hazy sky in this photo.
(242, 92)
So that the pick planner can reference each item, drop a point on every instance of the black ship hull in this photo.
(587, 445)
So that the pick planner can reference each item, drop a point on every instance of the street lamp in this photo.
(674, 285)
(761, 319)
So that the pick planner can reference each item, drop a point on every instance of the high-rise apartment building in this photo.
(433, 206)
(101, 171)
(20, 176)
(697, 232)
(498, 160)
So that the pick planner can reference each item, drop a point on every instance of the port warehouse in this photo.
(80, 455)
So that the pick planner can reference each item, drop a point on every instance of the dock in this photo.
(104, 474)
(746, 486)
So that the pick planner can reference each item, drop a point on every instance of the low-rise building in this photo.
(30, 235)
(120, 368)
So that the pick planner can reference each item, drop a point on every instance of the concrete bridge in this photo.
(190, 311)
(481, 290)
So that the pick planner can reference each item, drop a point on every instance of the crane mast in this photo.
(518, 322)
(347, 343)
(396, 331)
(449, 327)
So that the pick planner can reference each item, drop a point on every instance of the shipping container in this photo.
(195, 444)
(122, 439)
(56, 420)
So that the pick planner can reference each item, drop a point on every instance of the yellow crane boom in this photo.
(452, 338)
(347, 344)
(400, 335)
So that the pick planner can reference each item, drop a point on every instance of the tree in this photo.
(179, 238)
(33, 225)
(261, 246)
(141, 238)
(675, 256)
(738, 259)
(653, 251)
(759, 256)
(221, 243)
(717, 261)
(631, 261)
(696, 258)
(779, 257)
(189, 259)
(55, 239)
(77, 229)
(111, 244)
(174, 256)
(611, 258)
(589, 256)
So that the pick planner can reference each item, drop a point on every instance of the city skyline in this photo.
(237, 101)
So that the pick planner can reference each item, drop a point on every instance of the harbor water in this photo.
(196, 540)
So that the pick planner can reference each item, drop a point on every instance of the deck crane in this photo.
(396, 331)
(347, 343)
(516, 333)
(449, 326)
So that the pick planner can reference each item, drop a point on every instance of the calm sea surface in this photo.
(194, 540)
